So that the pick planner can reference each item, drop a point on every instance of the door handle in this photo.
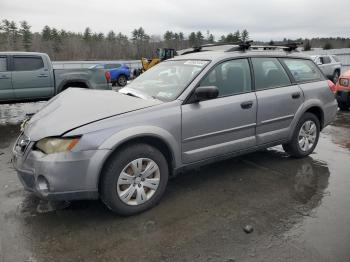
(296, 95)
(4, 77)
(43, 75)
(247, 105)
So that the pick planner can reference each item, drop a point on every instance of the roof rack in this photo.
(246, 45)
(288, 47)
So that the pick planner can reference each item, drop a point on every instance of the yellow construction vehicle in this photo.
(163, 54)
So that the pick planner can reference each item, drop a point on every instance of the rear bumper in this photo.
(343, 96)
(69, 175)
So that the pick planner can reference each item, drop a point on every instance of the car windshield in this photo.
(166, 80)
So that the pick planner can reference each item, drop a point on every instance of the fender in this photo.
(74, 80)
(141, 131)
(302, 109)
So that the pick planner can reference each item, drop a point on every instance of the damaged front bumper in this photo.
(58, 176)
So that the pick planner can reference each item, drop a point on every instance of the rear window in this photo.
(3, 64)
(27, 63)
(326, 60)
(303, 70)
(269, 73)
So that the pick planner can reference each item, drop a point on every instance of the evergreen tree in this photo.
(26, 35)
(244, 35)
(46, 33)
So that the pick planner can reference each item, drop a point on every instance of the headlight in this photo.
(344, 82)
(54, 145)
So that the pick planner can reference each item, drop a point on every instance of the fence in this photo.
(86, 64)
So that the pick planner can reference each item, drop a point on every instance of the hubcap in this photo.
(138, 181)
(307, 135)
(122, 80)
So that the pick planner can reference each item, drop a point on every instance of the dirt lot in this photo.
(299, 210)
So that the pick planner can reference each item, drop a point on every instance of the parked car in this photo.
(330, 66)
(342, 91)
(119, 73)
(188, 111)
(30, 76)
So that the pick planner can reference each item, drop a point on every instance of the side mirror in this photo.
(205, 93)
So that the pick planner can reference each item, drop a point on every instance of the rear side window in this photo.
(231, 77)
(3, 64)
(303, 70)
(326, 60)
(269, 73)
(27, 63)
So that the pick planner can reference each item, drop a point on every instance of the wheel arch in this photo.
(82, 83)
(151, 139)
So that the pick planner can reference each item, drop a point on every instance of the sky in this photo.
(264, 19)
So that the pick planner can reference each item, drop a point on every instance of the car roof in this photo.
(220, 55)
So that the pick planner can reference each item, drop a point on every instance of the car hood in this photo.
(77, 107)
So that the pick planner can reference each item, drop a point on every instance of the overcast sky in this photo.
(264, 19)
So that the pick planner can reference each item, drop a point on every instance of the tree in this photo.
(307, 46)
(211, 38)
(192, 39)
(327, 46)
(237, 36)
(271, 42)
(87, 34)
(244, 35)
(26, 35)
(46, 33)
(111, 36)
(199, 38)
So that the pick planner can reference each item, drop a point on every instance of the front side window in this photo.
(27, 63)
(167, 80)
(269, 73)
(3, 64)
(231, 77)
(303, 70)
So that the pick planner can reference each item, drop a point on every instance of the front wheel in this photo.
(122, 80)
(134, 179)
(305, 136)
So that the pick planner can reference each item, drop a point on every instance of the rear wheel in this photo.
(305, 137)
(134, 179)
(122, 80)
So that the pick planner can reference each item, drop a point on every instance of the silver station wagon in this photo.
(194, 109)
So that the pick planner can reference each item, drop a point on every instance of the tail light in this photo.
(331, 86)
(108, 76)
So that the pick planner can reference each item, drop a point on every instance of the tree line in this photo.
(88, 45)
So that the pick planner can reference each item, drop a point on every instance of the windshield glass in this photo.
(167, 80)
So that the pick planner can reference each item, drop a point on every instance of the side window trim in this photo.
(289, 73)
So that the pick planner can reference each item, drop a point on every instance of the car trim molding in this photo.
(276, 119)
(218, 132)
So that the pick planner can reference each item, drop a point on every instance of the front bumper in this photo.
(69, 175)
(343, 96)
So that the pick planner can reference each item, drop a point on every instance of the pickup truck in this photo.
(29, 76)
(330, 66)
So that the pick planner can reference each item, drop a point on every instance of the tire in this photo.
(295, 148)
(343, 106)
(122, 80)
(335, 77)
(120, 186)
